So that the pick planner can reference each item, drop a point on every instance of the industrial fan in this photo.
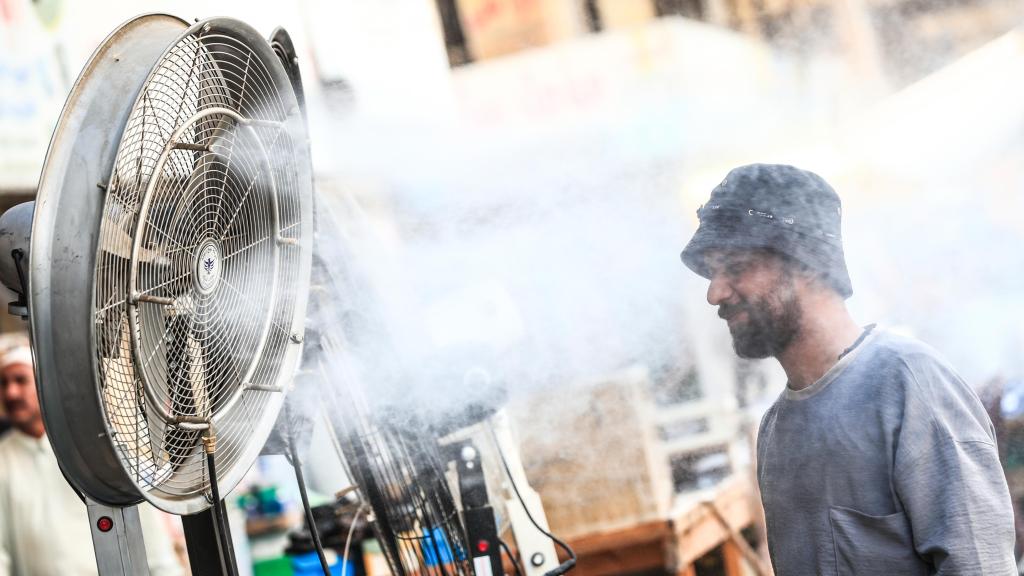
(167, 273)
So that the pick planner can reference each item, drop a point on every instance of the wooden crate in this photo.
(592, 455)
(678, 543)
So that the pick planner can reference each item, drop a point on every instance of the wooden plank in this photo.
(737, 540)
(674, 542)
(698, 538)
(658, 531)
(643, 547)
(627, 559)
(698, 530)
(637, 548)
(732, 558)
(689, 570)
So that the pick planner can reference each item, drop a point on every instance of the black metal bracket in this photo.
(20, 306)
(481, 529)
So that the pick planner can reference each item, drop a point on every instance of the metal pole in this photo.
(117, 540)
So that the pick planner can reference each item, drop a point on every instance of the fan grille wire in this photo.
(213, 204)
(398, 466)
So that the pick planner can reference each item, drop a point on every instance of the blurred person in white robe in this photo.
(44, 526)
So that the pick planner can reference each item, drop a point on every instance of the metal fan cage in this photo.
(202, 264)
(396, 461)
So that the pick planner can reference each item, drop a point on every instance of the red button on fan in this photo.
(483, 546)
(105, 524)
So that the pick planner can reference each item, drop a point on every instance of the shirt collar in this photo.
(837, 368)
(30, 443)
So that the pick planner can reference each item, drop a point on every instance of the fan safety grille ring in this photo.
(202, 264)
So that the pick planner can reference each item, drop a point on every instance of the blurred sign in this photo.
(619, 14)
(31, 90)
(497, 27)
(656, 73)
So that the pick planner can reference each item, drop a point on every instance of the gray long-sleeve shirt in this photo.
(887, 465)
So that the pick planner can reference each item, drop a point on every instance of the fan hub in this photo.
(207, 269)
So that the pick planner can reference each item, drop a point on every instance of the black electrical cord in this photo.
(218, 514)
(309, 511)
(564, 566)
(511, 556)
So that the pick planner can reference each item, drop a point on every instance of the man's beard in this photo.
(18, 413)
(771, 324)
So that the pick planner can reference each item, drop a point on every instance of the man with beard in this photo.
(877, 459)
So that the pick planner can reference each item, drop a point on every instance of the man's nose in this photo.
(719, 290)
(9, 391)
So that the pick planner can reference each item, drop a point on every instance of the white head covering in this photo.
(16, 355)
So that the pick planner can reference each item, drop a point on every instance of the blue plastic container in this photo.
(309, 565)
(430, 552)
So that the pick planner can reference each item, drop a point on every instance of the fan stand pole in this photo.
(117, 539)
(202, 540)
(481, 529)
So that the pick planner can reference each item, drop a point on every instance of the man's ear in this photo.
(804, 277)
(811, 281)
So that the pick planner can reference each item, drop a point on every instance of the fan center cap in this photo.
(208, 266)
